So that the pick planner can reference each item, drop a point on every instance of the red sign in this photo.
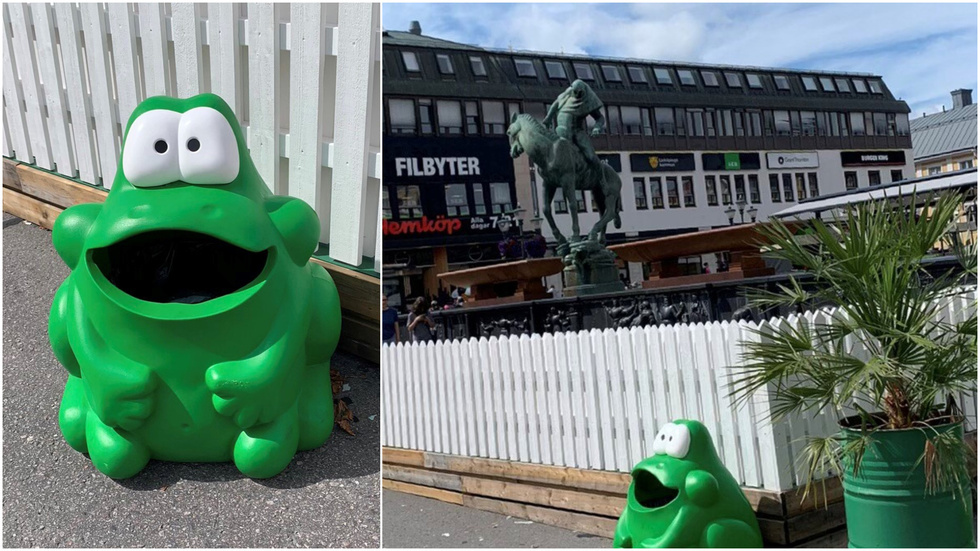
(421, 226)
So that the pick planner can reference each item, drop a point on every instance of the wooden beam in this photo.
(30, 209)
(398, 456)
(602, 481)
(578, 522)
(423, 491)
(54, 189)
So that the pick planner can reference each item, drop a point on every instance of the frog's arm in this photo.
(622, 539)
(729, 532)
(119, 390)
(298, 225)
(58, 329)
(70, 230)
(261, 387)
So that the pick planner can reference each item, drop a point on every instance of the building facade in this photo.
(693, 144)
(946, 141)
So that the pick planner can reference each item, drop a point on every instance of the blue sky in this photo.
(923, 51)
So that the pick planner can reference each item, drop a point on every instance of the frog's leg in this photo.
(263, 451)
(115, 453)
(316, 398)
(622, 538)
(73, 414)
(729, 532)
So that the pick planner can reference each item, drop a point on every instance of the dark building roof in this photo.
(620, 80)
(944, 133)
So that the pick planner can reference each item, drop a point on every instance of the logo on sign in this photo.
(732, 161)
(654, 162)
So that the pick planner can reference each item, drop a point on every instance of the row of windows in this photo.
(649, 192)
(489, 118)
(962, 165)
(663, 76)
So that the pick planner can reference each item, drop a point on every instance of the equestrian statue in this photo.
(561, 149)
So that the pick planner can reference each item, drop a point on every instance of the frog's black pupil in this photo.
(160, 146)
(193, 144)
(671, 438)
(661, 437)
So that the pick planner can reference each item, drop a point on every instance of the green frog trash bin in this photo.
(683, 496)
(193, 325)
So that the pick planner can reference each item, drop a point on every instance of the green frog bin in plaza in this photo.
(193, 325)
(683, 496)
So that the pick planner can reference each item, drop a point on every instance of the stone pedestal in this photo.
(590, 269)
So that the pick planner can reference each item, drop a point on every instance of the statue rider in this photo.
(570, 109)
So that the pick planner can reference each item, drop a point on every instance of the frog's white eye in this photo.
(208, 148)
(150, 156)
(660, 441)
(678, 441)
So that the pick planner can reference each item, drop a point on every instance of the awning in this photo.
(920, 186)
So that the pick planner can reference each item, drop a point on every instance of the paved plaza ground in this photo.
(413, 521)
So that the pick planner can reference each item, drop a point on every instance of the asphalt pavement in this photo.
(413, 521)
(54, 497)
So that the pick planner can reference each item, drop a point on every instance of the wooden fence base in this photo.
(591, 501)
(39, 197)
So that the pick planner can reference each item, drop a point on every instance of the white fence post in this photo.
(357, 47)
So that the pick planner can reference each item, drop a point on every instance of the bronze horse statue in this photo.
(561, 165)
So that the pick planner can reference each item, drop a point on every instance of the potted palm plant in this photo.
(888, 362)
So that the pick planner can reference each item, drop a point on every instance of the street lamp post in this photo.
(742, 211)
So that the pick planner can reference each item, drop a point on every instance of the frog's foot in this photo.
(263, 451)
(728, 532)
(315, 407)
(116, 454)
(73, 414)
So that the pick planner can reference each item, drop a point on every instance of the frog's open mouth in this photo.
(178, 266)
(649, 492)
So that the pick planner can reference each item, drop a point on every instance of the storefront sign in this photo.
(872, 158)
(792, 159)
(412, 160)
(662, 162)
(424, 167)
(730, 161)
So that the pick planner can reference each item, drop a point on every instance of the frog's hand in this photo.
(58, 329)
(70, 230)
(298, 225)
(702, 488)
(622, 539)
(120, 390)
(730, 532)
(260, 388)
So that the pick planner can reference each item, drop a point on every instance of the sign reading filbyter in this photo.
(662, 162)
(792, 159)
(872, 158)
(445, 190)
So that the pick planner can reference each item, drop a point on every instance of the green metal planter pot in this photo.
(193, 325)
(887, 504)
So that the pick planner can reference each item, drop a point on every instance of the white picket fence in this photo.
(304, 80)
(596, 399)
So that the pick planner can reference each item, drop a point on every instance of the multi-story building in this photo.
(690, 142)
(946, 141)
